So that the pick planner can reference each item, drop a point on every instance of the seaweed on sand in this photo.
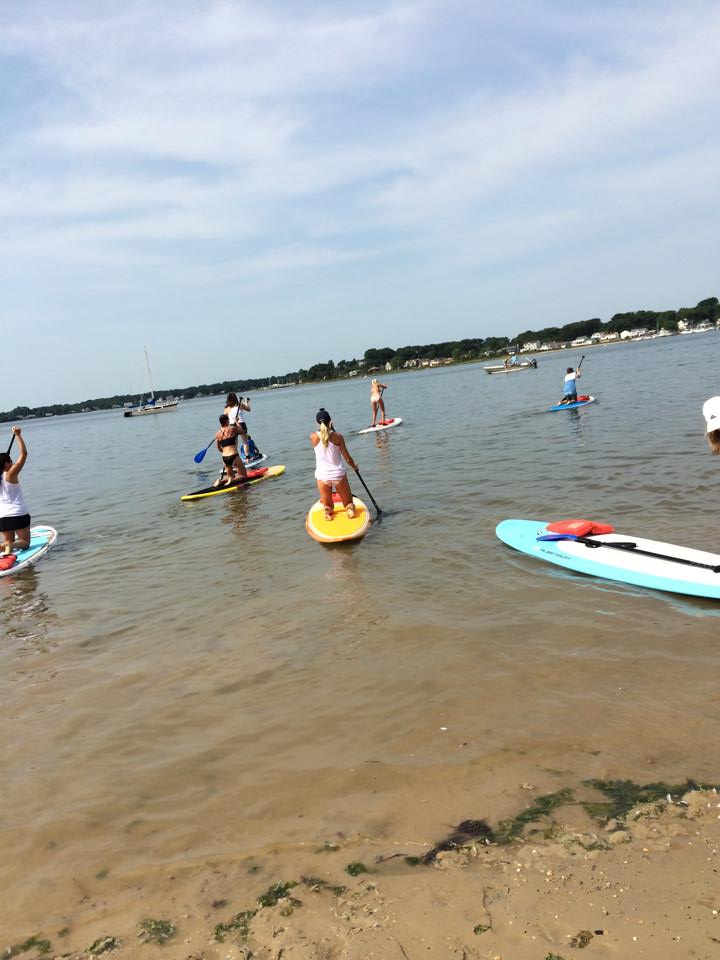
(465, 832)
(156, 931)
(32, 943)
(623, 795)
(511, 829)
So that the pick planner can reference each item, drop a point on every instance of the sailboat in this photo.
(151, 405)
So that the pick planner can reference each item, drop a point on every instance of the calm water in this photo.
(180, 680)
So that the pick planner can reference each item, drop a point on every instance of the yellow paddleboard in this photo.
(254, 476)
(340, 528)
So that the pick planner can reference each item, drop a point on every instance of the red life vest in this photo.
(580, 528)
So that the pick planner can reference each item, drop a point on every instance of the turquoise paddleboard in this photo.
(42, 538)
(649, 563)
(572, 406)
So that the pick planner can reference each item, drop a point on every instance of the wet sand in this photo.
(642, 884)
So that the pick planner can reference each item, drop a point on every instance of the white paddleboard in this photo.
(42, 538)
(385, 425)
(650, 563)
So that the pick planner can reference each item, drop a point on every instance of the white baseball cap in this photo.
(711, 412)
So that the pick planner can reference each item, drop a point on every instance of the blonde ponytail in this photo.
(324, 433)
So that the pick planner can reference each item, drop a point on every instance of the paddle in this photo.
(12, 441)
(377, 508)
(629, 546)
(199, 457)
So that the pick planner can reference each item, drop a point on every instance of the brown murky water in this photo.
(187, 683)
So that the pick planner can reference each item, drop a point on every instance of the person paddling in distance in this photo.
(376, 401)
(226, 442)
(570, 388)
(330, 450)
(14, 516)
(711, 412)
(236, 408)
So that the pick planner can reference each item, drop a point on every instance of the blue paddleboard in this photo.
(572, 406)
(622, 565)
(41, 539)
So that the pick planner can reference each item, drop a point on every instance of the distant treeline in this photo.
(476, 348)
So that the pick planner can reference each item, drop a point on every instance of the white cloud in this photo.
(248, 143)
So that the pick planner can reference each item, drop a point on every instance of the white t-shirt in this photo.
(236, 414)
(571, 376)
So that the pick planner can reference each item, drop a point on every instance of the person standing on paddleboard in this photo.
(570, 388)
(226, 442)
(14, 515)
(376, 401)
(236, 408)
(330, 450)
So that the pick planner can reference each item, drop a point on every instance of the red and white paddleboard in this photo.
(383, 425)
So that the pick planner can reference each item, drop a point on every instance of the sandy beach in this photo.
(555, 878)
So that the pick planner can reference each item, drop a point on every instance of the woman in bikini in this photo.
(376, 401)
(226, 442)
(330, 451)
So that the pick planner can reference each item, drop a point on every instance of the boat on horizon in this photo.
(151, 405)
(511, 367)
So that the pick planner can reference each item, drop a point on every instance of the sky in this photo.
(252, 187)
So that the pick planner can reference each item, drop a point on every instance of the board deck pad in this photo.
(255, 476)
(573, 406)
(42, 538)
(623, 566)
(341, 527)
(385, 425)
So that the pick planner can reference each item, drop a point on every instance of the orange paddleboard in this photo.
(341, 527)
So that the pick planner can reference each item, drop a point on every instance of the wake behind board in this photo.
(621, 565)
(383, 425)
(254, 476)
(42, 538)
(340, 528)
(572, 406)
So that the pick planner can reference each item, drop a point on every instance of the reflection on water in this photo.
(25, 613)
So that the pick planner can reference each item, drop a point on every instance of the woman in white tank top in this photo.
(330, 450)
(14, 516)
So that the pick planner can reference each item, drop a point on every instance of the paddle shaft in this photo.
(12, 441)
(377, 508)
(633, 547)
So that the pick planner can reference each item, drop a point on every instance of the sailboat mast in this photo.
(147, 365)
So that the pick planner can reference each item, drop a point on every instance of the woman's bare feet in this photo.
(350, 510)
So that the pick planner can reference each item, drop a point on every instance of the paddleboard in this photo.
(41, 539)
(384, 425)
(573, 406)
(624, 566)
(340, 528)
(254, 476)
(254, 461)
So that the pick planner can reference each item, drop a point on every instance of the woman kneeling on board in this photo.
(14, 516)
(226, 442)
(330, 470)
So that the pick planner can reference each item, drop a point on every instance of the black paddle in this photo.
(377, 508)
(629, 546)
(12, 441)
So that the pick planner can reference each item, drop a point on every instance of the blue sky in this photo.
(250, 187)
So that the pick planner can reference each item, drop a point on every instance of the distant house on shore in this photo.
(531, 347)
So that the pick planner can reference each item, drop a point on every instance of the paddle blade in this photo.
(199, 457)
